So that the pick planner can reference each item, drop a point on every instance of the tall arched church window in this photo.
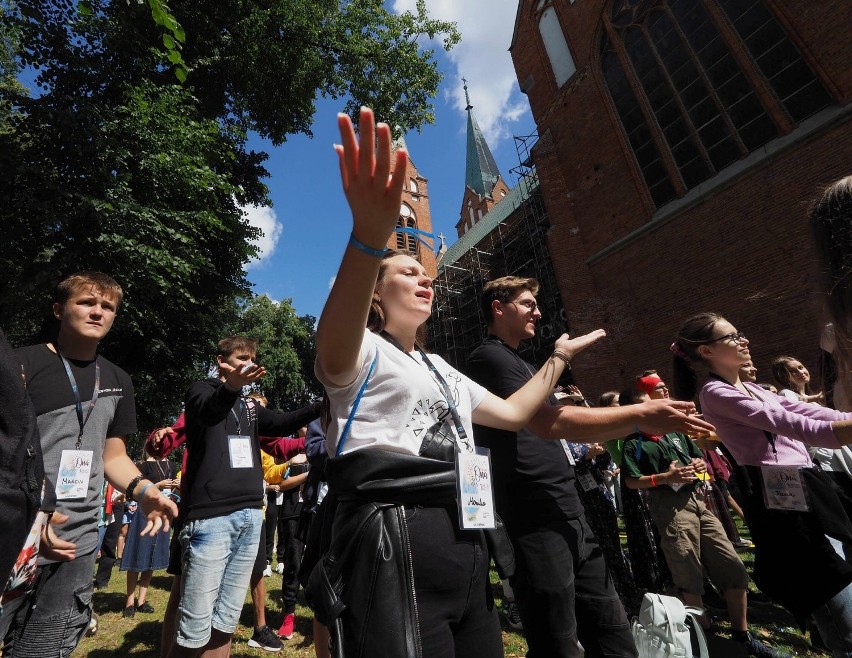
(698, 85)
(553, 38)
(407, 218)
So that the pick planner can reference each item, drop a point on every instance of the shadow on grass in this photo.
(145, 634)
(104, 602)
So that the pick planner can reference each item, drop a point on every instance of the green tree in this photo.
(286, 349)
(112, 165)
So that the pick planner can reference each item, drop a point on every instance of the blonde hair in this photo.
(103, 283)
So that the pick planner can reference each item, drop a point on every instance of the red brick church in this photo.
(680, 142)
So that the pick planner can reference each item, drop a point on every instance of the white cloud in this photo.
(331, 281)
(483, 59)
(264, 218)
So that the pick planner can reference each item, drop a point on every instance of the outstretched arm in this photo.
(515, 412)
(373, 188)
(583, 425)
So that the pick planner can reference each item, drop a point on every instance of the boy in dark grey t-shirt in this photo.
(84, 406)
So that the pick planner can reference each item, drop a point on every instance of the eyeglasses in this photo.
(736, 337)
(529, 304)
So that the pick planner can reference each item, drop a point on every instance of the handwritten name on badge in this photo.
(784, 489)
(475, 493)
(75, 470)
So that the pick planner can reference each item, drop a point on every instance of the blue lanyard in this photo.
(448, 394)
(419, 235)
(76, 390)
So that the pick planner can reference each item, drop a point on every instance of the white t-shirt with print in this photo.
(401, 402)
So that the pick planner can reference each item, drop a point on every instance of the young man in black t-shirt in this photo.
(84, 406)
(559, 563)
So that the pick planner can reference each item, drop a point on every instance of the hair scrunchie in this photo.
(677, 351)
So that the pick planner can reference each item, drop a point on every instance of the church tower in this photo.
(484, 186)
(414, 213)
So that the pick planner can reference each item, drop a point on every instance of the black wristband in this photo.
(130, 487)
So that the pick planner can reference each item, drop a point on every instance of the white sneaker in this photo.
(268, 571)
(279, 568)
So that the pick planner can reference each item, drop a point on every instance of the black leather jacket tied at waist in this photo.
(363, 586)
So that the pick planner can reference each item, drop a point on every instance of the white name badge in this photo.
(567, 452)
(75, 469)
(784, 489)
(475, 491)
(239, 447)
(587, 482)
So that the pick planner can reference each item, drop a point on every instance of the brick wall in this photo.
(741, 249)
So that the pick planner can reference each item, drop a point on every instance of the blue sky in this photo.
(308, 225)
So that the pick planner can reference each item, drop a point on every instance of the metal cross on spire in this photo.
(466, 97)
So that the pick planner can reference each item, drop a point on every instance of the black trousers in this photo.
(457, 615)
(292, 558)
(107, 559)
(565, 593)
(271, 524)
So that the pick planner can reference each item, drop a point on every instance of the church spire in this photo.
(481, 173)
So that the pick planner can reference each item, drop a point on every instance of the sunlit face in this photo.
(659, 392)
(520, 315)
(88, 313)
(726, 348)
(798, 372)
(405, 292)
(748, 373)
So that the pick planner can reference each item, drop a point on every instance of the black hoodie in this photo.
(210, 486)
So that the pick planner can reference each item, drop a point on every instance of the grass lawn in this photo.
(140, 636)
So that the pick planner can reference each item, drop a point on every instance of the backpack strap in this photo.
(693, 613)
(355, 404)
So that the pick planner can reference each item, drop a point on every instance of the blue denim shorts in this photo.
(218, 555)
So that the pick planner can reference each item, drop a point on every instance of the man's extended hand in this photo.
(664, 416)
(573, 346)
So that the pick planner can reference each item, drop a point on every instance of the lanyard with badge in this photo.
(474, 488)
(75, 466)
(239, 444)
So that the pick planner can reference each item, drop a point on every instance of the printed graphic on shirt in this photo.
(428, 411)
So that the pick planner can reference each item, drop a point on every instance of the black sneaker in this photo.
(755, 647)
(513, 617)
(265, 639)
(128, 612)
(145, 607)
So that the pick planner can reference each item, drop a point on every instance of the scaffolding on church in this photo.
(510, 240)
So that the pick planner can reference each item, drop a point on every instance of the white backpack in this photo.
(660, 630)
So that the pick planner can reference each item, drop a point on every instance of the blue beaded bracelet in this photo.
(360, 246)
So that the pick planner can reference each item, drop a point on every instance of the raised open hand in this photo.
(573, 346)
(371, 182)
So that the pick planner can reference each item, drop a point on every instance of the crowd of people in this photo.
(393, 496)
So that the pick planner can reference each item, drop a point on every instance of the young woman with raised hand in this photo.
(415, 583)
(800, 523)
